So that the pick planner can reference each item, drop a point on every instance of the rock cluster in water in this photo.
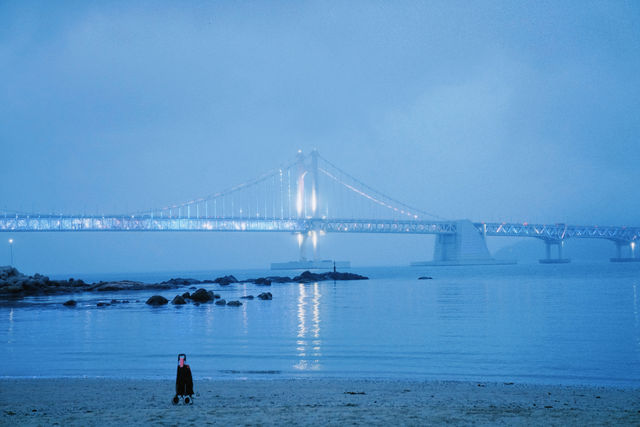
(306, 277)
(15, 284)
(200, 296)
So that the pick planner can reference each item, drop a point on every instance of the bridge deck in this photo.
(557, 232)
(134, 223)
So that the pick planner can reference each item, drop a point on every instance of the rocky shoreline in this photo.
(14, 284)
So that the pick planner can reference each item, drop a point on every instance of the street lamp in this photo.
(11, 250)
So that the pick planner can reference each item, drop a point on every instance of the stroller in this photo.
(184, 382)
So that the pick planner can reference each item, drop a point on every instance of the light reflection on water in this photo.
(550, 324)
(635, 315)
(309, 351)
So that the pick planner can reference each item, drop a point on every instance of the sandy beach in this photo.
(311, 402)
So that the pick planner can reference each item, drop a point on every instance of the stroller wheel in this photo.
(175, 400)
(187, 400)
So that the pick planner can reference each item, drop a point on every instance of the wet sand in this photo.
(311, 402)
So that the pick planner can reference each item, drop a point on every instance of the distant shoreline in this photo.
(312, 401)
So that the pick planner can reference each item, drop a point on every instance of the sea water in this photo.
(556, 324)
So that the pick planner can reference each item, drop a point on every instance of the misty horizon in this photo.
(510, 112)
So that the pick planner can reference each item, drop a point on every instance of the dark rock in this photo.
(202, 295)
(226, 280)
(308, 276)
(280, 279)
(193, 287)
(234, 303)
(122, 285)
(70, 303)
(178, 300)
(262, 281)
(103, 304)
(179, 281)
(216, 296)
(221, 302)
(247, 297)
(31, 286)
(186, 295)
(266, 281)
(425, 278)
(345, 276)
(7, 272)
(157, 300)
(265, 296)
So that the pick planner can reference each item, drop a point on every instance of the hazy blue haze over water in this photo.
(575, 323)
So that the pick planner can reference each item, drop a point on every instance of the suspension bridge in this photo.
(311, 196)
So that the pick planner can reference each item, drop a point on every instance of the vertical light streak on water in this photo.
(302, 329)
(210, 320)
(10, 330)
(245, 317)
(317, 353)
(636, 316)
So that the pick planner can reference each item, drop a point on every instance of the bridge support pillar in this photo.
(626, 252)
(549, 259)
(464, 247)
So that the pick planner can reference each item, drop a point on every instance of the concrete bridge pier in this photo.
(466, 246)
(549, 258)
(626, 252)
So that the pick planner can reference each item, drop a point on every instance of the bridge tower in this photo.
(307, 200)
(308, 207)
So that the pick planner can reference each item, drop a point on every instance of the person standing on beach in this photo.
(184, 381)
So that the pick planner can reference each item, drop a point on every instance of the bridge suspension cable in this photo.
(363, 190)
(260, 199)
(290, 192)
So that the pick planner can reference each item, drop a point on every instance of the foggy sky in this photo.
(492, 111)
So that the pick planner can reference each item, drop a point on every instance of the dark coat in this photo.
(184, 382)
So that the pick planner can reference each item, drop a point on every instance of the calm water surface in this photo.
(575, 323)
